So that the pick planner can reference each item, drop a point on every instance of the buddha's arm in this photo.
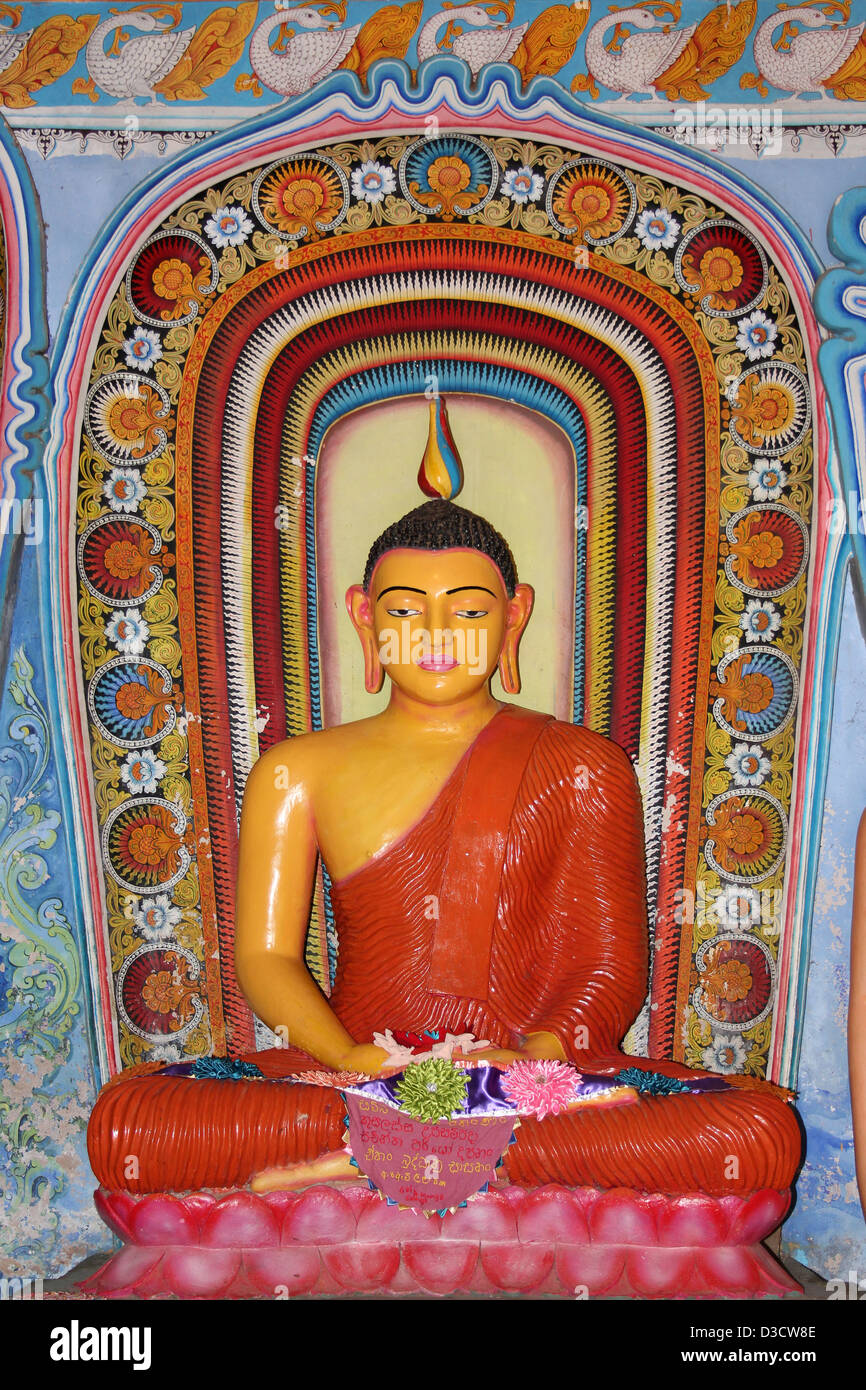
(277, 861)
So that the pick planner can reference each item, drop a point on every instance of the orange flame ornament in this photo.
(441, 472)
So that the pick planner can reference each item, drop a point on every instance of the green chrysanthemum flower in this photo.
(431, 1090)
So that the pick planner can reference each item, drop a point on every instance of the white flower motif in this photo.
(757, 336)
(371, 181)
(522, 185)
(142, 349)
(656, 229)
(166, 1052)
(156, 917)
(128, 631)
(123, 489)
(725, 1055)
(737, 907)
(228, 227)
(142, 772)
(760, 620)
(748, 764)
(766, 480)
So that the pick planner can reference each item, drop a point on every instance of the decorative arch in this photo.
(644, 300)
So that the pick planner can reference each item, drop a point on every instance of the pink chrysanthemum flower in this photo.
(337, 1079)
(540, 1088)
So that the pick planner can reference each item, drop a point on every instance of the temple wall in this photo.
(85, 158)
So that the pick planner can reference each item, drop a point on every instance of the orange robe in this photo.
(566, 953)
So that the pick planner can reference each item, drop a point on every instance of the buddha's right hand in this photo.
(366, 1057)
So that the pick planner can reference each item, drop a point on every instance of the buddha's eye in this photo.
(471, 613)
(403, 612)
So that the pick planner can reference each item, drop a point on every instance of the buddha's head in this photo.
(440, 607)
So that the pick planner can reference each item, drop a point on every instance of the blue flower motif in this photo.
(656, 229)
(522, 185)
(224, 1069)
(142, 772)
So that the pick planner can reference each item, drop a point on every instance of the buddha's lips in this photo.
(437, 663)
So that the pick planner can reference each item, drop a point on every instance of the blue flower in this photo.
(757, 336)
(142, 772)
(656, 229)
(522, 185)
(228, 227)
(372, 181)
(142, 349)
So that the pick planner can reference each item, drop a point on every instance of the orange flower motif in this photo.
(720, 269)
(173, 281)
(591, 201)
(152, 844)
(132, 420)
(130, 559)
(730, 980)
(762, 412)
(742, 835)
(742, 690)
(162, 992)
(757, 549)
(135, 700)
(294, 199)
(449, 175)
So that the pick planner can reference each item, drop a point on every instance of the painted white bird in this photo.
(307, 57)
(809, 59)
(491, 41)
(141, 61)
(641, 57)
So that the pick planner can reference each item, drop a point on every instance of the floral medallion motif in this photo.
(127, 420)
(722, 265)
(172, 278)
(736, 982)
(158, 993)
(147, 844)
(766, 550)
(754, 693)
(450, 176)
(770, 408)
(592, 200)
(301, 198)
(134, 703)
(745, 835)
(122, 562)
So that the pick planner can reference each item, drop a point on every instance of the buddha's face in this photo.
(439, 620)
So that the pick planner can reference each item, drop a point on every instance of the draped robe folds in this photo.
(553, 939)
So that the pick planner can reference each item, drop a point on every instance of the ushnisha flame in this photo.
(441, 472)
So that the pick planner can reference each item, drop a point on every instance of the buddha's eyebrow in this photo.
(471, 586)
(401, 589)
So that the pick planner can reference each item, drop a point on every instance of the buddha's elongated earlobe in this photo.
(374, 673)
(361, 613)
(519, 610)
(509, 667)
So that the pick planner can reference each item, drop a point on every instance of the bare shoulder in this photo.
(297, 762)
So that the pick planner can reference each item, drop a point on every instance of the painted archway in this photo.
(503, 245)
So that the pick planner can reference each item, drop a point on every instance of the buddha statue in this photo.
(487, 879)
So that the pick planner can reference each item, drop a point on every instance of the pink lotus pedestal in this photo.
(337, 1239)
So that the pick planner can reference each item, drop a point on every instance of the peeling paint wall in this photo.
(826, 1230)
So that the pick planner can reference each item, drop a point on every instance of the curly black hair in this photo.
(442, 525)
